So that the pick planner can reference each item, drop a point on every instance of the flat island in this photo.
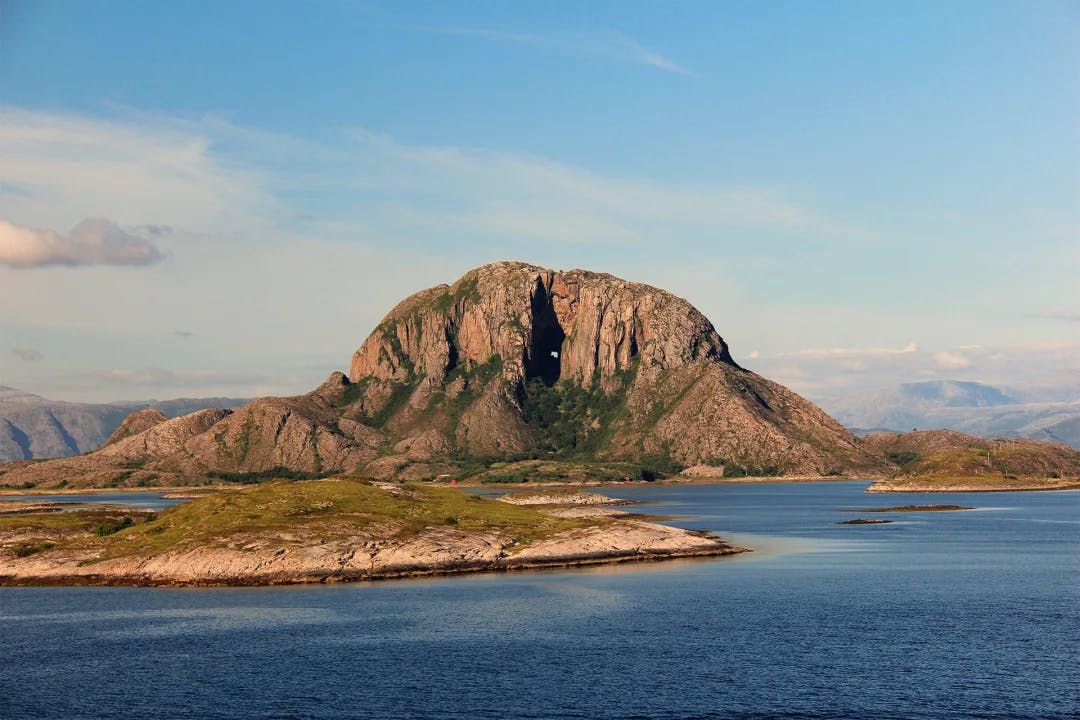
(911, 508)
(332, 530)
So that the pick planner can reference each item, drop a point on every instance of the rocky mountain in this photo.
(967, 407)
(510, 361)
(32, 427)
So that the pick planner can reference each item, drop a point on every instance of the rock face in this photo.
(465, 360)
(135, 423)
(510, 360)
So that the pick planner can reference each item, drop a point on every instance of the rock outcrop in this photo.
(465, 360)
(135, 423)
(512, 360)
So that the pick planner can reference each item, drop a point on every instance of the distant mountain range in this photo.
(32, 427)
(968, 407)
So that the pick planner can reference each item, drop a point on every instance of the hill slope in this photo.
(944, 460)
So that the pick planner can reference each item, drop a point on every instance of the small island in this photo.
(334, 530)
(911, 508)
(865, 521)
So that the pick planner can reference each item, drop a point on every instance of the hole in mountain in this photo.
(547, 339)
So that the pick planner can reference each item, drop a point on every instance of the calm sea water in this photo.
(939, 615)
(142, 500)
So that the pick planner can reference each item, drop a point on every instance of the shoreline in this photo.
(333, 578)
(333, 531)
(672, 480)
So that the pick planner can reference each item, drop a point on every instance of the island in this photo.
(331, 530)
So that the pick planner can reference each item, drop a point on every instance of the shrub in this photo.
(111, 528)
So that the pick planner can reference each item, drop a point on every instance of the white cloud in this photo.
(613, 46)
(148, 171)
(93, 241)
(951, 361)
(850, 352)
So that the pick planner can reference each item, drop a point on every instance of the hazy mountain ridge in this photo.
(33, 427)
(967, 407)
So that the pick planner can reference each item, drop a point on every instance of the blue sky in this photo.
(855, 193)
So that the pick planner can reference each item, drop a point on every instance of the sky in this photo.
(205, 198)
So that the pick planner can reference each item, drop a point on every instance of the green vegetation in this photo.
(1024, 459)
(903, 459)
(114, 527)
(467, 288)
(352, 392)
(555, 471)
(327, 509)
(572, 420)
(260, 476)
(734, 470)
(42, 531)
(28, 549)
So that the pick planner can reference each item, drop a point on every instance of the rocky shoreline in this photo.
(437, 553)
(317, 546)
(970, 484)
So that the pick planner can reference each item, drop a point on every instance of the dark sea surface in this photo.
(972, 614)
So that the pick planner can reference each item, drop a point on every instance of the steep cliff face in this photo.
(511, 360)
(467, 362)
(574, 325)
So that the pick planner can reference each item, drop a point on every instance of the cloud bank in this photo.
(94, 241)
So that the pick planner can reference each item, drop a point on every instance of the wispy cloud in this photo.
(28, 354)
(613, 46)
(849, 352)
(93, 241)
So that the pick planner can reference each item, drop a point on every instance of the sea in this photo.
(968, 614)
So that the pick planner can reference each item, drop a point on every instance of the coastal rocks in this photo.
(270, 559)
(559, 497)
(627, 539)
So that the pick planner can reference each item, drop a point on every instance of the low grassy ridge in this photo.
(1033, 460)
(324, 511)
(44, 530)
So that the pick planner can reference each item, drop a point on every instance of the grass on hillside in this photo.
(983, 464)
(327, 510)
(44, 530)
